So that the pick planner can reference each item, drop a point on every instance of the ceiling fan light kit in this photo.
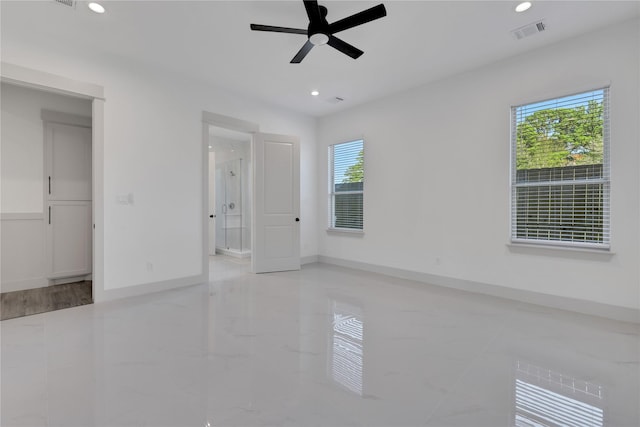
(318, 39)
(320, 32)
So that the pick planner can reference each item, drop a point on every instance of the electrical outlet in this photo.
(125, 199)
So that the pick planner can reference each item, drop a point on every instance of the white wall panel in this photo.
(23, 260)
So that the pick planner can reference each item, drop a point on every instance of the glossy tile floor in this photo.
(325, 346)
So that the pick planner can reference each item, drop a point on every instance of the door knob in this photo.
(297, 219)
(212, 216)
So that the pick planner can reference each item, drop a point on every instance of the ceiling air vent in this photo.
(70, 3)
(529, 30)
(335, 100)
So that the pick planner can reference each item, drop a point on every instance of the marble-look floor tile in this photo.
(324, 346)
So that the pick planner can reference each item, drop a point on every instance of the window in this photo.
(346, 185)
(560, 171)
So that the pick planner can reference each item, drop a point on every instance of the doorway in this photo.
(230, 192)
(274, 197)
(67, 197)
(46, 217)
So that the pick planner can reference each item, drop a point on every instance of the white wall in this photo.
(22, 234)
(153, 150)
(437, 173)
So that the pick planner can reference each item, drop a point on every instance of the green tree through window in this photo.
(355, 172)
(561, 137)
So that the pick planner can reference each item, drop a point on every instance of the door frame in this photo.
(35, 79)
(229, 123)
(211, 194)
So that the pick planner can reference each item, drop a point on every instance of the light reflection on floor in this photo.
(324, 346)
(347, 349)
(548, 398)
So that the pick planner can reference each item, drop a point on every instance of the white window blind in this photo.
(560, 171)
(346, 185)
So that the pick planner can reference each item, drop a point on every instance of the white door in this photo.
(212, 203)
(276, 207)
(68, 197)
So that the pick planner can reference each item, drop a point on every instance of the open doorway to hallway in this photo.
(47, 198)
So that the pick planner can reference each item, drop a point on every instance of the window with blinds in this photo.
(560, 171)
(346, 185)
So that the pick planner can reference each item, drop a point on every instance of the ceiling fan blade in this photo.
(344, 47)
(360, 18)
(258, 27)
(302, 52)
(313, 10)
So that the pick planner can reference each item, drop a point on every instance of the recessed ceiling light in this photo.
(523, 6)
(315, 93)
(96, 7)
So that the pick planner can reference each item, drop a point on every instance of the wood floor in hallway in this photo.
(41, 300)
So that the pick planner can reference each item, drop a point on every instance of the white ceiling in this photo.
(417, 42)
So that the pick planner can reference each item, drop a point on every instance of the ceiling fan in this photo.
(320, 32)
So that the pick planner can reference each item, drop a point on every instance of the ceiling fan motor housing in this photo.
(320, 32)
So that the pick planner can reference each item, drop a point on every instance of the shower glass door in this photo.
(229, 205)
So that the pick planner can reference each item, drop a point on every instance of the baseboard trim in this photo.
(66, 280)
(148, 288)
(308, 259)
(613, 312)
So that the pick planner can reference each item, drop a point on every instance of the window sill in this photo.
(567, 249)
(345, 231)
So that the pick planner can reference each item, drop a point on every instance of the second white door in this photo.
(276, 207)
